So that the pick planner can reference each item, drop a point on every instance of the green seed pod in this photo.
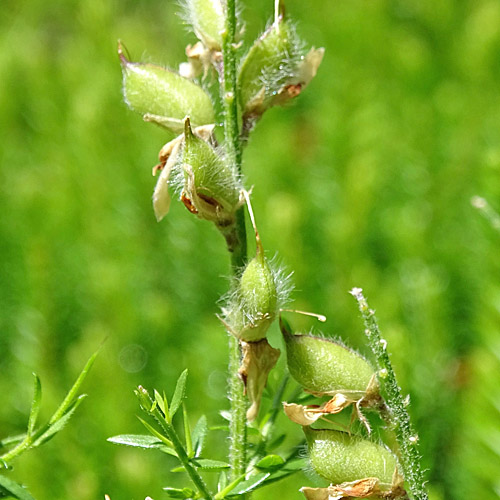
(326, 367)
(208, 20)
(275, 68)
(255, 304)
(257, 295)
(163, 96)
(211, 187)
(340, 457)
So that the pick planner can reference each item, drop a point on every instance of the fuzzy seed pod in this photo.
(275, 68)
(340, 457)
(255, 306)
(323, 366)
(163, 96)
(255, 298)
(208, 19)
(211, 187)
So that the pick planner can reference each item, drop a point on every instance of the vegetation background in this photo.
(365, 181)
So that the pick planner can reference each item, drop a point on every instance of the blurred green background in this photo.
(366, 181)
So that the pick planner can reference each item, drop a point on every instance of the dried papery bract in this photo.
(275, 69)
(356, 467)
(251, 308)
(258, 360)
(327, 368)
(164, 97)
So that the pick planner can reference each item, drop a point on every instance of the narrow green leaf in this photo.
(70, 397)
(249, 485)
(35, 404)
(161, 402)
(11, 440)
(156, 434)
(187, 433)
(277, 476)
(179, 493)
(270, 463)
(278, 441)
(224, 428)
(143, 441)
(230, 487)
(222, 483)
(56, 426)
(179, 468)
(207, 464)
(226, 415)
(199, 433)
(179, 393)
(11, 488)
(296, 464)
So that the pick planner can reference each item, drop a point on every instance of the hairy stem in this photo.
(399, 418)
(229, 90)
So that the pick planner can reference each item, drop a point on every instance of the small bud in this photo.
(275, 68)
(163, 96)
(144, 398)
(323, 366)
(207, 19)
(341, 457)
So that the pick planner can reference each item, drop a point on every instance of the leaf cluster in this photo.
(14, 446)
(265, 465)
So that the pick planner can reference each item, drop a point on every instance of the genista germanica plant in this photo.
(205, 174)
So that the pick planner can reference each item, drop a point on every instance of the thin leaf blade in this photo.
(71, 395)
(56, 426)
(179, 393)
(199, 433)
(11, 488)
(35, 404)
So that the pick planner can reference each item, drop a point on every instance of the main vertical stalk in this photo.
(237, 428)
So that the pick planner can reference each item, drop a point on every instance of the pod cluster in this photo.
(355, 466)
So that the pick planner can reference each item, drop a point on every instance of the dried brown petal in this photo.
(307, 415)
(258, 360)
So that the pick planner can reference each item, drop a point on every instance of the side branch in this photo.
(400, 419)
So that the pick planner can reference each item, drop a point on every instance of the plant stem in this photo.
(237, 428)
(150, 408)
(184, 459)
(400, 421)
